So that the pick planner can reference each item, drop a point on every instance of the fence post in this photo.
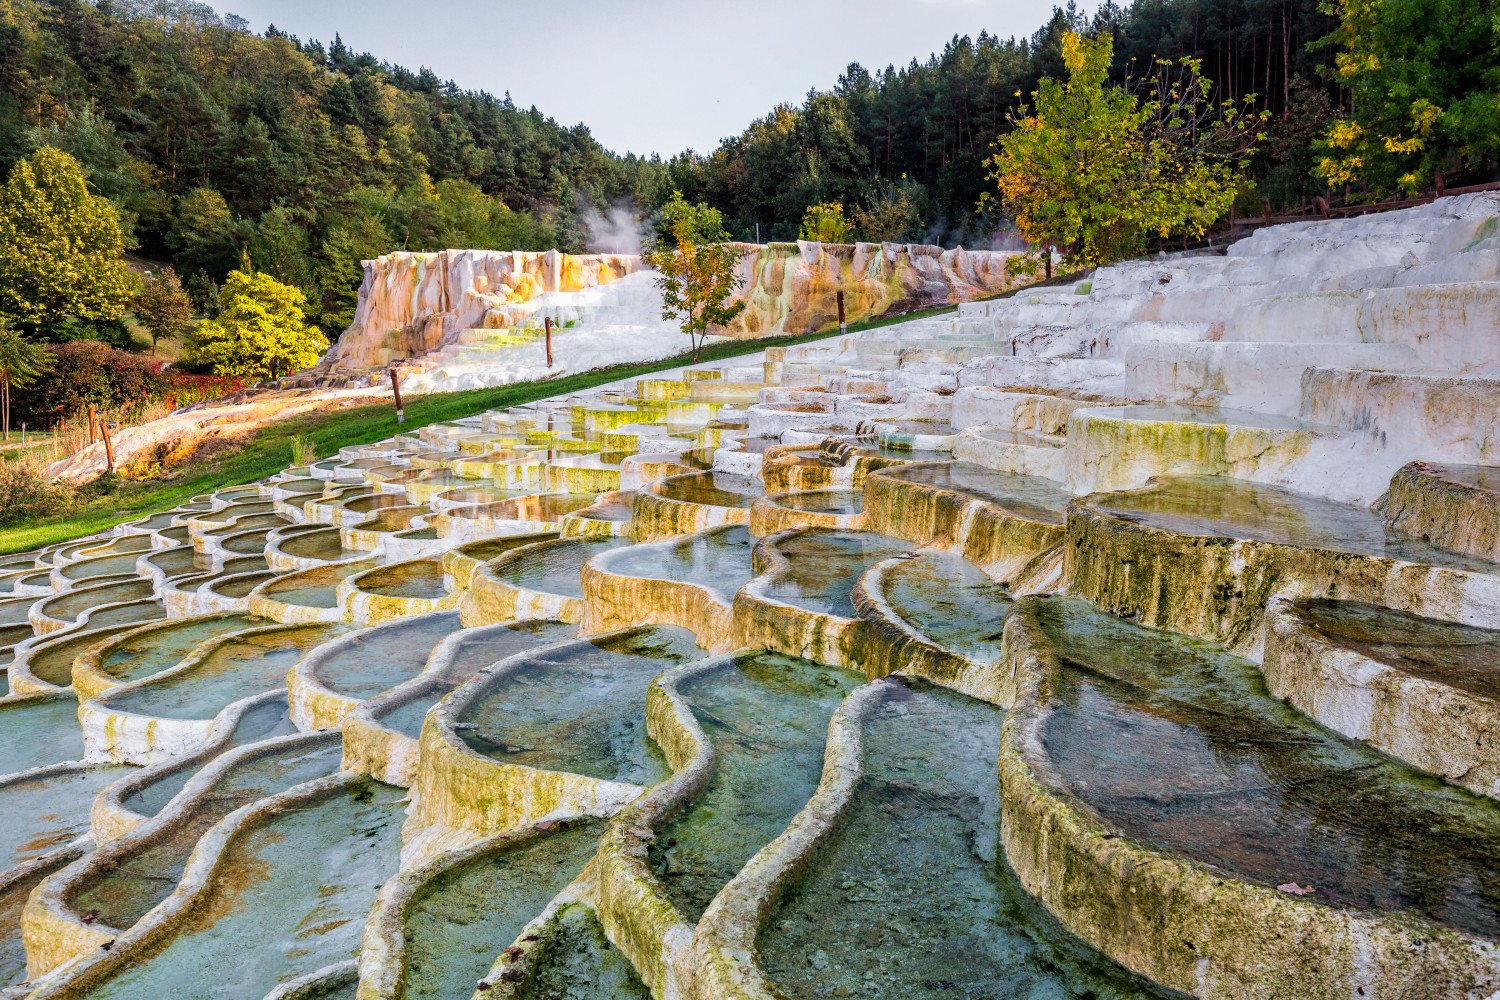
(93, 424)
(843, 326)
(547, 322)
(109, 449)
(396, 390)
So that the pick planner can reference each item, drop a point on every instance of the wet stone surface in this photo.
(1459, 656)
(462, 920)
(580, 708)
(825, 565)
(767, 718)
(1235, 508)
(1180, 747)
(911, 897)
(1030, 497)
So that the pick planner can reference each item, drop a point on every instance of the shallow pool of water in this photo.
(366, 663)
(163, 646)
(1180, 746)
(235, 669)
(47, 812)
(825, 565)
(555, 568)
(911, 897)
(577, 962)
(1036, 499)
(951, 602)
(261, 722)
(767, 718)
(461, 921)
(1238, 509)
(292, 899)
(718, 559)
(715, 489)
(580, 708)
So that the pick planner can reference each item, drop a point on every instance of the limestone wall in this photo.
(411, 304)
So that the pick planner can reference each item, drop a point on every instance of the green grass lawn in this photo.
(269, 450)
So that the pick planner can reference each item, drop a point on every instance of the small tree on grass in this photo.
(1096, 168)
(696, 267)
(21, 364)
(162, 306)
(260, 331)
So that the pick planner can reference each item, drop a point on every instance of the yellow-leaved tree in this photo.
(1094, 168)
(260, 330)
(60, 246)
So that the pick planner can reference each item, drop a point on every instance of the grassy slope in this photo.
(269, 450)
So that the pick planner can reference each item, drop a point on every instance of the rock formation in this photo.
(412, 304)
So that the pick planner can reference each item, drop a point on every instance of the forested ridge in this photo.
(217, 143)
(214, 141)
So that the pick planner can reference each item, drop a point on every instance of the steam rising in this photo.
(615, 230)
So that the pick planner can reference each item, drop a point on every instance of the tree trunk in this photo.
(5, 405)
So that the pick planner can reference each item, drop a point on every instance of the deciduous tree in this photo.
(260, 331)
(21, 364)
(1096, 167)
(162, 306)
(697, 268)
(60, 246)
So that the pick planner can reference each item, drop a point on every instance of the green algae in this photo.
(460, 921)
(766, 716)
(912, 897)
(575, 961)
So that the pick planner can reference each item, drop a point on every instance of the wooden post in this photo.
(93, 425)
(109, 449)
(1438, 183)
(843, 326)
(1047, 257)
(396, 390)
(548, 323)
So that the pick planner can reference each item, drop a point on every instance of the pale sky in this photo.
(646, 77)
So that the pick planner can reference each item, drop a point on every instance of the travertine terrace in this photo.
(1138, 636)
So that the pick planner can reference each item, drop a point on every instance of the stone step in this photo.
(1150, 781)
(1409, 415)
(1045, 412)
(1422, 690)
(1203, 556)
(1265, 377)
(1122, 447)
(1455, 507)
(1025, 452)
